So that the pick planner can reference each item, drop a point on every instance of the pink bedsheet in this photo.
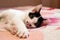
(49, 32)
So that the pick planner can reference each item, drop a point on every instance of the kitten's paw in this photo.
(23, 33)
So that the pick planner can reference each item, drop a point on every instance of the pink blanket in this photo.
(49, 32)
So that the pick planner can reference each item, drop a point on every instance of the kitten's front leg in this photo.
(22, 31)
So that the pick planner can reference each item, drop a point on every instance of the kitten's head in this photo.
(35, 19)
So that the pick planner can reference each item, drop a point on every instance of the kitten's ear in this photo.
(37, 8)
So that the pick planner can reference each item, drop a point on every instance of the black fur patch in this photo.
(39, 22)
(40, 19)
(38, 15)
(32, 15)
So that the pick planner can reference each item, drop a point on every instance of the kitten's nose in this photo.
(29, 24)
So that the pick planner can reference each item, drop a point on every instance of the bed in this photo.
(49, 32)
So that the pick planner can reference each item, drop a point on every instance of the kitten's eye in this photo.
(31, 15)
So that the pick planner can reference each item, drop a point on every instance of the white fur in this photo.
(17, 18)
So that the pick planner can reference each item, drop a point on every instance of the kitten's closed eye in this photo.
(31, 15)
